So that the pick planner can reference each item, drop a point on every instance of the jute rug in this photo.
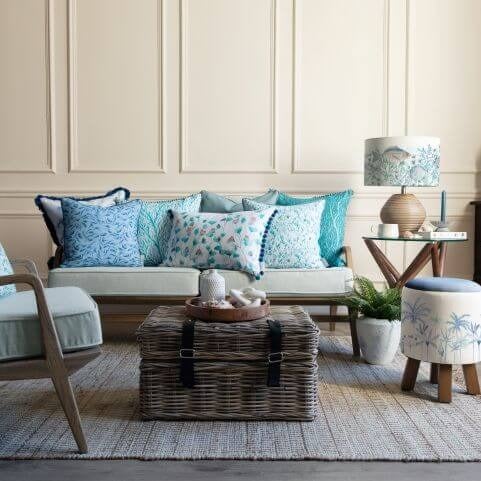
(363, 416)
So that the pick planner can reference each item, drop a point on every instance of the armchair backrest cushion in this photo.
(5, 270)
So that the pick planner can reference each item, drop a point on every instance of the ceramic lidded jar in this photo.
(211, 286)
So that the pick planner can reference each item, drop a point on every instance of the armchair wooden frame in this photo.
(54, 364)
(116, 324)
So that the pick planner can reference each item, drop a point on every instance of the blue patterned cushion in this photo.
(5, 270)
(155, 224)
(293, 240)
(331, 237)
(101, 236)
(221, 241)
(51, 208)
(212, 202)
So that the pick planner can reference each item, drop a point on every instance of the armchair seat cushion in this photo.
(75, 315)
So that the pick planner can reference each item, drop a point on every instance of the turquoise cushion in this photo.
(293, 240)
(219, 241)
(155, 224)
(331, 237)
(5, 270)
(100, 236)
(443, 284)
(74, 312)
(212, 202)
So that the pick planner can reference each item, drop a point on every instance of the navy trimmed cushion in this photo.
(443, 284)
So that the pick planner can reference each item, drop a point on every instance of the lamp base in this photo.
(404, 210)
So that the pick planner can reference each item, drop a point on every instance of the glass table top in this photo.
(405, 239)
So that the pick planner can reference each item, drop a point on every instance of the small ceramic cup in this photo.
(386, 230)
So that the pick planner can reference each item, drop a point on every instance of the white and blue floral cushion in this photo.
(155, 224)
(101, 236)
(5, 270)
(331, 234)
(222, 241)
(293, 240)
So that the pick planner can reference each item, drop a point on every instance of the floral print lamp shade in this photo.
(409, 161)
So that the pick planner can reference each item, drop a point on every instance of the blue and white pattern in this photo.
(155, 224)
(412, 161)
(293, 240)
(332, 226)
(51, 208)
(233, 241)
(441, 327)
(101, 236)
(5, 270)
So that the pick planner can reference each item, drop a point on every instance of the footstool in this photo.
(441, 324)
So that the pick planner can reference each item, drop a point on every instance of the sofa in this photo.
(149, 286)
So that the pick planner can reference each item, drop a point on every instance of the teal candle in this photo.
(443, 206)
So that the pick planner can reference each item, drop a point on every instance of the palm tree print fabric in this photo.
(293, 240)
(219, 241)
(441, 327)
(5, 270)
(155, 224)
(101, 236)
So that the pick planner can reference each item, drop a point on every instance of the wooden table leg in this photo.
(443, 248)
(410, 374)
(389, 272)
(471, 379)
(416, 265)
(435, 260)
(434, 377)
(445, 383)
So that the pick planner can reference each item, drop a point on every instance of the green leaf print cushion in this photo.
(233, 241)
(155, 224)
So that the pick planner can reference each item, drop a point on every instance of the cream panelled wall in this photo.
(168, 97)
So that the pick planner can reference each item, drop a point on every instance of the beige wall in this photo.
(171, 96)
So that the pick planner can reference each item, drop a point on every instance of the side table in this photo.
(434, 251)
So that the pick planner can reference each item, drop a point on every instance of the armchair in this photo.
(54, 360)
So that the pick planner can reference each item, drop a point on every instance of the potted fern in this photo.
(379, 328)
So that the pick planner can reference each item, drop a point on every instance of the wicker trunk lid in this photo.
(230, 368)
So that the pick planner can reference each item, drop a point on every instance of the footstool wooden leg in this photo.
(434, 378)
(471, 379)
(445, 383)
(332, 313)
(410, 374)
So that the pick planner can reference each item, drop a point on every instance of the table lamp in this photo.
(409, 161)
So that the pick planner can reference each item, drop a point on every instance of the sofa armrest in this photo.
(26, 264)
(52, 349)
(347, 252)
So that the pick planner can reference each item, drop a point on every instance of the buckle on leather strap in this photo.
(186, 353)
(275, 357)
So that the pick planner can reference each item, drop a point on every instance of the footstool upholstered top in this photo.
(443, 284)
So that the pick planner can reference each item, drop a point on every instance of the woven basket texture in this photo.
(230, 368)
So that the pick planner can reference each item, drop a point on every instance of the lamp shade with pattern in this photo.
(404, 161)
(409, 161)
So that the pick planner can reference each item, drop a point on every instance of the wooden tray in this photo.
(214, 314)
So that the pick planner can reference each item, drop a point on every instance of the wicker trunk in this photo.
(230, 368)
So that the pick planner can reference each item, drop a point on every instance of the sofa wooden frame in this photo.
(55, 364)
(116, 320)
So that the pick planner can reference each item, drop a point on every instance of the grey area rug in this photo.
(363, 415)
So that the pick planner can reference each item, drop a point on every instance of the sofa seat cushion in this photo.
(75, 315)
(129, 281)
(322, 282)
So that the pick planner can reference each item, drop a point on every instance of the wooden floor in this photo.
(124, 470)
(234, 471)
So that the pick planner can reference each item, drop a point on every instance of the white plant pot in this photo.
(378, 339)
